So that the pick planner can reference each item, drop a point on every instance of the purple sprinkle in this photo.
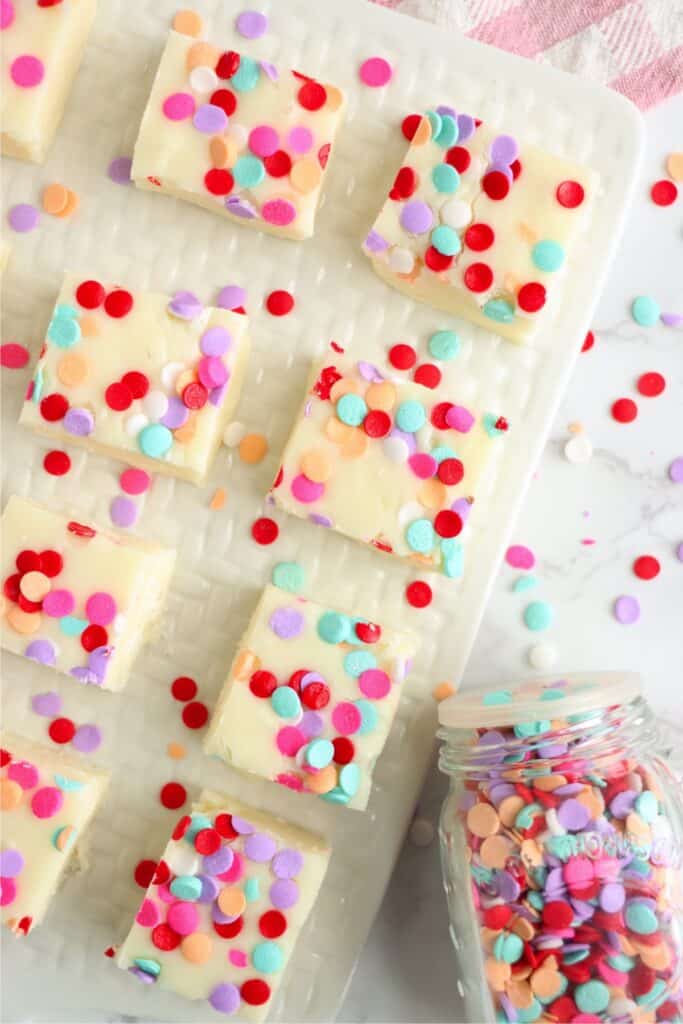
(269, 70)
(219, 917)
(42, 651)
(87, 738)
(508, 1008)
(240, 207)
(241, 825)
(573, 815)
(231, 297)
(23, 217)
(119, 170)
(79, 422)
(626, 608)
(311, 677)
(287, 623)
(466, 127)
(284, 893)
(417, 217)
(217, 395)
(148, 979)
(571, 789)
(612, 897)
(462, 507)
(671, 319)
(448, 111)
(11, 863)
(508, 887)
(98, 661)
(504, 150)
(311, 724)
(260, 847)
(623, 803)
(375, 243)
(320, 520)
(185, 305)
(218, 862)
(176, 414)
(210, 888)
(86, 676)
(225, 998)
(216, 341)
(676, 470)
(369, 372)
(49, 704)
(287, 863)
(210, 120)
(251, 24)
(500, 791)
(123, 511)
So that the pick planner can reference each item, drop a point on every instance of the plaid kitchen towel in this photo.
(634, 46)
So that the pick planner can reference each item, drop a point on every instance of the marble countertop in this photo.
(623, 500)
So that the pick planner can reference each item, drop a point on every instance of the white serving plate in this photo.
(59, 972)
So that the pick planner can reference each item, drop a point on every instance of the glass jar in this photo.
(561, 841)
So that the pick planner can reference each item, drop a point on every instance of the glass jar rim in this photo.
(539, 698)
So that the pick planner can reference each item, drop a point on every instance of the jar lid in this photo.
(538, 699)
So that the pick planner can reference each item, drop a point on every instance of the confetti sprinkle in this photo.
(538, 615)
(419, 594)
(672, 319)
(61, 730)
(624, 410)
(188, 23)
(375, 72)
(524, 583)
(651, 384)
(87, 739)
(520, 557)
(184, 688)
(144, 873)
(47, 705)
(119, 170)
(123, 512)
(588, 342)
(23, 218)
(646, 567)
(542, 656)
(56, 463)
(176, 751)
(251, 24)
(676, 470)
(664, 192)
(134, 481)
(13, 356)
(626, 610)
(578, 449)
(253, 448)
(442, 691)
(55, 199)
(402, 357)
(173, 795)
(280, 303)
(645, 311)
(265, 530)
(195, 715)
(218, 500)
(232, 296)
(288, 576)
(674, 166)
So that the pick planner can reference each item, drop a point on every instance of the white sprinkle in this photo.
(135, 423)
(233, 434)
(578, 449)
(456, 214)
(155, 404)
(170, 373)
(401, 261)
(395, 449)
(239, 133)
(542, 656)
(553, 823)
(410, 511)
(182, 860)
(203, 79)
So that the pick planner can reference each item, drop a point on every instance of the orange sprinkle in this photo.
(442, 691)
(222, 151)
(323, 781)
(432, 494)
(72, 369)
(176, 751)
(575, 428)
(335, 97)
(34, 585)
(423, 133)
(55, 199)
(253, 448)
(381, 396)
(10, 794)
(495, 850)
(197, 948)
(674, 165)
(218, 500)
(232, 901)
(305, 175)
(316, 465)
(345, 386)
(23, 622)
(246, 662)
(482, 820)
(89, 326)
(201, 55)
(355, 445)
(188, 22)
(71, 204)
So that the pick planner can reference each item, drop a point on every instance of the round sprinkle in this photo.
(547, 255)
(27, 71)
(155, 440)
(56, 463)
(418, 594)
(251, 24)
(61, 730)
(626, 610)
(188, 23)
(410, 416)
(280, 303)
(579, 449)
(87, 738)
(664, 192)
(417, 217)
(676, 470)
(119, 170)
(624, 410)
(47, 705)
(184, 688)
(225, 998)
(588, 342)
(645, 311)
(570, 194)
(402, 357)
(23, 218)
(651, 384)
(195, 715)
(179, 106)
(47, 802)
(288, 576)
(375, 72)
(592, 997)
(264, 530)
(13, 356)
(123, 512)
(172, 796)
(253, 448)
(542, 656)
(134, 481)
(444, 345)
(520, 557)
(538, 615)
(646, 567)
(55, 199)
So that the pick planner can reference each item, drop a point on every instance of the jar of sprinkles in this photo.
(561, 841)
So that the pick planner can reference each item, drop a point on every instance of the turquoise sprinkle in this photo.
(538, 615)
(640, 918)
(319, 753)
(525, 818)
(198, 822)
(252, 890)
(336, 796)
(548, 255)
(155, 440)
(186, 887)
(553, 694)
(285, 702)
(64, 309)
(435, 122)
(441, 452)
(575, 958)
(488, 422)
(524, 583)
(148, 966)
(449, 546)
(349, 779)
(288, 576)
(420, 536)
(351, 409)
(641, 867)
(454, 564)
(536, 900)
(267, 957)
(444, 345)
(645, 311)
(621, 962)
(508, 947)
(71, 626)
(249, 171)
(499, 310)
(369, 717)
(482, 876)
(69, 841)
(64, 331)
(334, 628)
(657, 995)
(563, 847)
(68, 785)
(445, 179)
(592, 997)
(410, 416)
(529, 1014)
(357, 662)
(38, 385)
(497, 697)
(445, 240)
(524, 730)
(448, 135)
(247, 75)
(647, 806)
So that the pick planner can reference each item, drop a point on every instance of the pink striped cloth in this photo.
(634, 46)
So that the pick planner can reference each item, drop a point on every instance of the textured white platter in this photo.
(59, 973)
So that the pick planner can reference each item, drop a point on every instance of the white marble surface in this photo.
(623, 499)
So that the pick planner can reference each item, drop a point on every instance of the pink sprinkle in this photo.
(423, 465)
(25, 773)
(234, 872)
(346, 718)
(6, 13)
(58, 603)
(165, 894)
(460, 419)
(179, 106)
(306, 490)
(27, 71)
(375, 72)
(520, 557)
(183, 918)
(278, 212)
(587, 541)
(289, 741)
(290, 781)
(13, 357)
(134, 481)
(47, 802)
(148, 915)
(300, 139)
(238, 957)
(8, 891)
(100, 608)
(374, 683)
(263, 140)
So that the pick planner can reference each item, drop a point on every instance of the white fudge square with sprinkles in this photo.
(237, 136)
(221, 918)
(311, 697)
(479, 224)
(388, 462)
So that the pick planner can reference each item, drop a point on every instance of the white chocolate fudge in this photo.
(47, 803)
(478, 225)
(387, 462)
(78, 598)
(5, 250)
(41, 45)
(237, 136)
(230, 896)
(310, 698)
(138, 376)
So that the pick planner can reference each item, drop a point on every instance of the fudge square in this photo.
(387, 462)
(221, 918)
(76, 597)
(480, 225)
(138, 376)
(310, 698)
(47, 803)
(237, 136)
(42, 42)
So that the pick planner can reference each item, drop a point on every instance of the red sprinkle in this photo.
(624, 410)
(419, 594)
(272, 924)
(255, 992)
(428, 375)
(61, 730)
(94, 636)
(81, 530)
(437, 261)
(53, 407)
(265, 530)
(438, 416)
(377, 423)
(228, 64)
(51, 563)
(402, 357)
(118, 303)
(531, 297)
(262, 683)
(651, 384)
(207, 841)
(280, 302)
(195, 715)
(56, 463)
(223, 825)
(165, 938)
(173, 795)
(218, 181)
(405, 183)
(588, 342)
(368, 632)
(479, 237)
(447, 523)
(664, 192)
(229, 931)
(278, 164)
(90, 294)
(558, 914)
(312, 95)
(226, 100)
(410, 125)
(646, 567)
(144, 873)
(184, 688)
(182, 827)
(459, 157)
(450, 472)
(495, 185)
(136, 382)
(478, 277)
(344, 750)
(28, 561)
(118, 397)
(315, 696)
(195, 395)
(13, 357)
(570, 194)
